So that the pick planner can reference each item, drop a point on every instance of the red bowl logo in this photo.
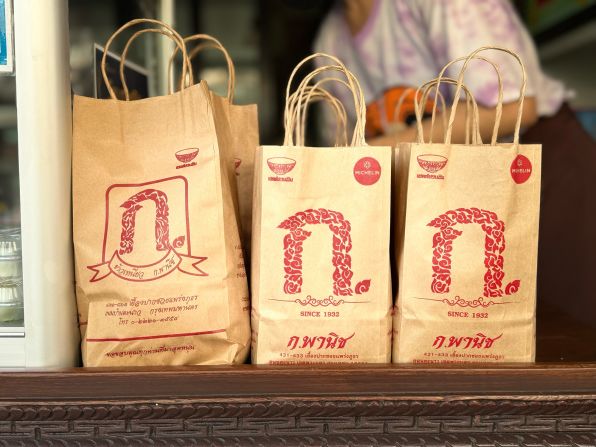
(431, 162)
(281, 165)
(187, 155)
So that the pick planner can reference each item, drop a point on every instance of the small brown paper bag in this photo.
(467, 247)
(157, 250)
(320, 262)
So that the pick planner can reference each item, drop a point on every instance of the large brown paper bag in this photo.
(467, 253)
(244, 127)
(320, 263)
(157, 249)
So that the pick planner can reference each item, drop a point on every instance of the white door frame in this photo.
(44, 144)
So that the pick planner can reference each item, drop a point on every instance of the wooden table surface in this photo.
(550, 403)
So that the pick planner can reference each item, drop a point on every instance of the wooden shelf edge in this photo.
(397, 405)
(249, 381)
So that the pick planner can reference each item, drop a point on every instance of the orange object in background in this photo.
(377, 124)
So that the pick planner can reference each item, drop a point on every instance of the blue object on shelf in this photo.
(588, 120)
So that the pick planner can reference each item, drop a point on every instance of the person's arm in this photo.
(458, 135)
(356, 13)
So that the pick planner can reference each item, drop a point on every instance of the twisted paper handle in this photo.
(313, 94)
(166, 30)
(472, 115)
(421, 101)
(522, 92)
(124, 56)
(210, 42)
(499, 107)
(292, 119)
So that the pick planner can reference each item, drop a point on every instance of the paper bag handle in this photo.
(423, 100)
(472, 119)
(302, 97)
(317, 93)
(335, 103)
(522, 92)
(211, 42)
(169, 32)
(409, 90)
(358, 135)
(354, 87)
(124, 56)
(499, 108)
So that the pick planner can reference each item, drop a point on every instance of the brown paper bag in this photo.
(157, 250)
(244, 127)
(320, 265)
(467, 248)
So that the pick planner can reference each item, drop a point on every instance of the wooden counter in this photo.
(550, 403)
(542, 404)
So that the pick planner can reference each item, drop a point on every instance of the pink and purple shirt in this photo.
(405, 43)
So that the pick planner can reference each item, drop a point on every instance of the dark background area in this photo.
(266, 38)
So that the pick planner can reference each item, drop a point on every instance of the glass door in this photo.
(11, 271)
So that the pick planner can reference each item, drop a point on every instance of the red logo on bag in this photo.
(432, 164)
(521, 169)
(341, 246)
(186, 157)
(281, 166)
(140, 258)
(478, 341)
(330, 341)
(494, 246)
(237, 163)
(367, 171)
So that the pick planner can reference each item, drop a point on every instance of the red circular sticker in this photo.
(367, 171)
(521, 169)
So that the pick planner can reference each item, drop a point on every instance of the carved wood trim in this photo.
(376, 422)
(387, 405)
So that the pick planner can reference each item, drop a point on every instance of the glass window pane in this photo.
(11, 278)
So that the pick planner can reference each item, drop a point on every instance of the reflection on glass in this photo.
(11, 276)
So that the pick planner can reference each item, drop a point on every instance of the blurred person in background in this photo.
(392, 45)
